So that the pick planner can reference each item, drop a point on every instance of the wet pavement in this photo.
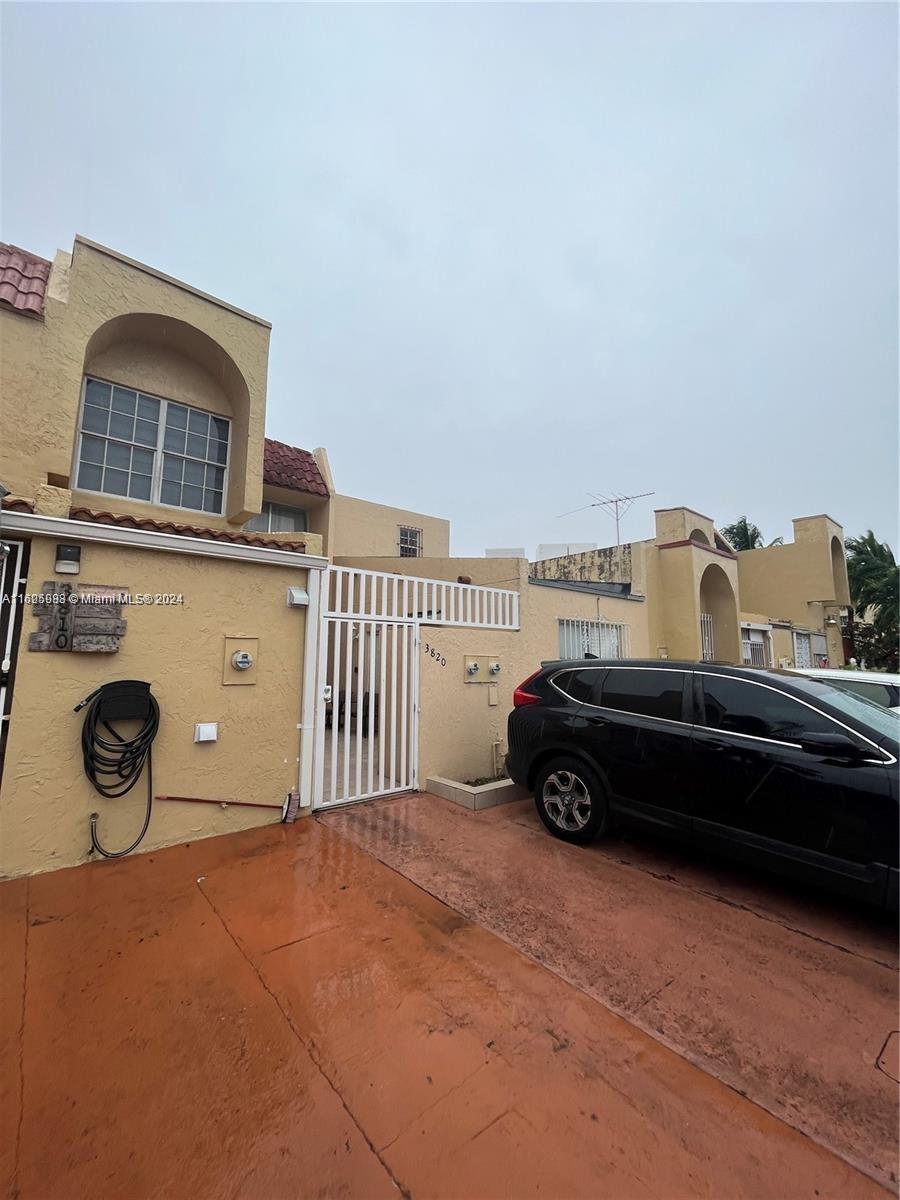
(278, 1013)
(787, 995)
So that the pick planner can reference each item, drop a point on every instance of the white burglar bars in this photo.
(369, 732)
(755, 648)
(378, 596)
(601, 639)
(707, 637)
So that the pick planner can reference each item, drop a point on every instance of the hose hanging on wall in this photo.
(114, 766)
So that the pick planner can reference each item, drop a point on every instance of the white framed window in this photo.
(278, 518)
(410, 542)
(602, 639)
(147, 448)
(756, 647)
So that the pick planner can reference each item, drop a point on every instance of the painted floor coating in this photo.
(279, 1013)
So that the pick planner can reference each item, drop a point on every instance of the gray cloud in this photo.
(511, 253)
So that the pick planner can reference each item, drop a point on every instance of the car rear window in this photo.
(646, 693)
(737, 706)
(582, 686)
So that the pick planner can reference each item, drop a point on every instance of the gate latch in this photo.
(326, 693)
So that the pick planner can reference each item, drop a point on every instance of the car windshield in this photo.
(882, 721)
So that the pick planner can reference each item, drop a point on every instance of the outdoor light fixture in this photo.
(68, 560)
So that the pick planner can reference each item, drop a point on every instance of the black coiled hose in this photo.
(114, 764)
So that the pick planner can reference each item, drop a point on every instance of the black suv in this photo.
(776, 769)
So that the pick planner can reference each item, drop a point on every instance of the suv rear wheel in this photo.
(571, 801)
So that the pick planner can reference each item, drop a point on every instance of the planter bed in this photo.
(486, 795)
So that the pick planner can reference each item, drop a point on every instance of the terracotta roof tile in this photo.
(290, 467)
(23, 280)
(197, 531)
(17, 504)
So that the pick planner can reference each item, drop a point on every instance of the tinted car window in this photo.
(645, 693)
(738, 707)
(583, 686)
(878, 693)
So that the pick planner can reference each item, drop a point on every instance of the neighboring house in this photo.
(379, 531)
(782, 605)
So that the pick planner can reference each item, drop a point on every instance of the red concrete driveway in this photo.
(279, 1014)
(786, 995)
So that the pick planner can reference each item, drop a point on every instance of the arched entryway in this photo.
(719, 636)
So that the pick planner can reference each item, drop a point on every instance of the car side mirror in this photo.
(833, 745)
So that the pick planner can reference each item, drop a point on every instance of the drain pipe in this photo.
(309, 699)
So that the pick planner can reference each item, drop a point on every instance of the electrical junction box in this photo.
(482, 668)
(240, 661)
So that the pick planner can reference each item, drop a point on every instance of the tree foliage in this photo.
(875, 591)
(874, 650)
(744, 535)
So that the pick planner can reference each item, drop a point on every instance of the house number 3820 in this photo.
(435, 654)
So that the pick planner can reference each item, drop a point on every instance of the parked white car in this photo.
(880, 688)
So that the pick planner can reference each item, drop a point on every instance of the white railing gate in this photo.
(367, 712)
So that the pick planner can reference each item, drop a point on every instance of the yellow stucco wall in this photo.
(677, 524)
(363, 528)
(458, 725)
(45, 799)
(804, 581)
(166, 337)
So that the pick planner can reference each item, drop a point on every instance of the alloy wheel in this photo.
(567, 801)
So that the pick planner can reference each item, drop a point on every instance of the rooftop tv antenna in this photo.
(617, 506)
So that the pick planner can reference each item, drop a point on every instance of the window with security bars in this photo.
(410, 542)
(597, 639)
(147, 448)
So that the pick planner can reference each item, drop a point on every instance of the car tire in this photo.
(571, 801)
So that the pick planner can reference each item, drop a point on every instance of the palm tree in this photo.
(874, 581)
(744, 535)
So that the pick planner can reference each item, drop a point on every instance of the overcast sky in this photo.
(511, 253)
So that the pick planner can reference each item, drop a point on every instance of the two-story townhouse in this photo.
(136, 472)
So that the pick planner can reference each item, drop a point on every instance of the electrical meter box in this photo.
(240, 660)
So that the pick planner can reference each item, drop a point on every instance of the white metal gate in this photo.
(13, 571)
(369, 697)
(367, 712)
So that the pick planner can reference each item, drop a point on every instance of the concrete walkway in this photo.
(278, 1014)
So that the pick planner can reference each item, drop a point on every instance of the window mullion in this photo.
(156, 482)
